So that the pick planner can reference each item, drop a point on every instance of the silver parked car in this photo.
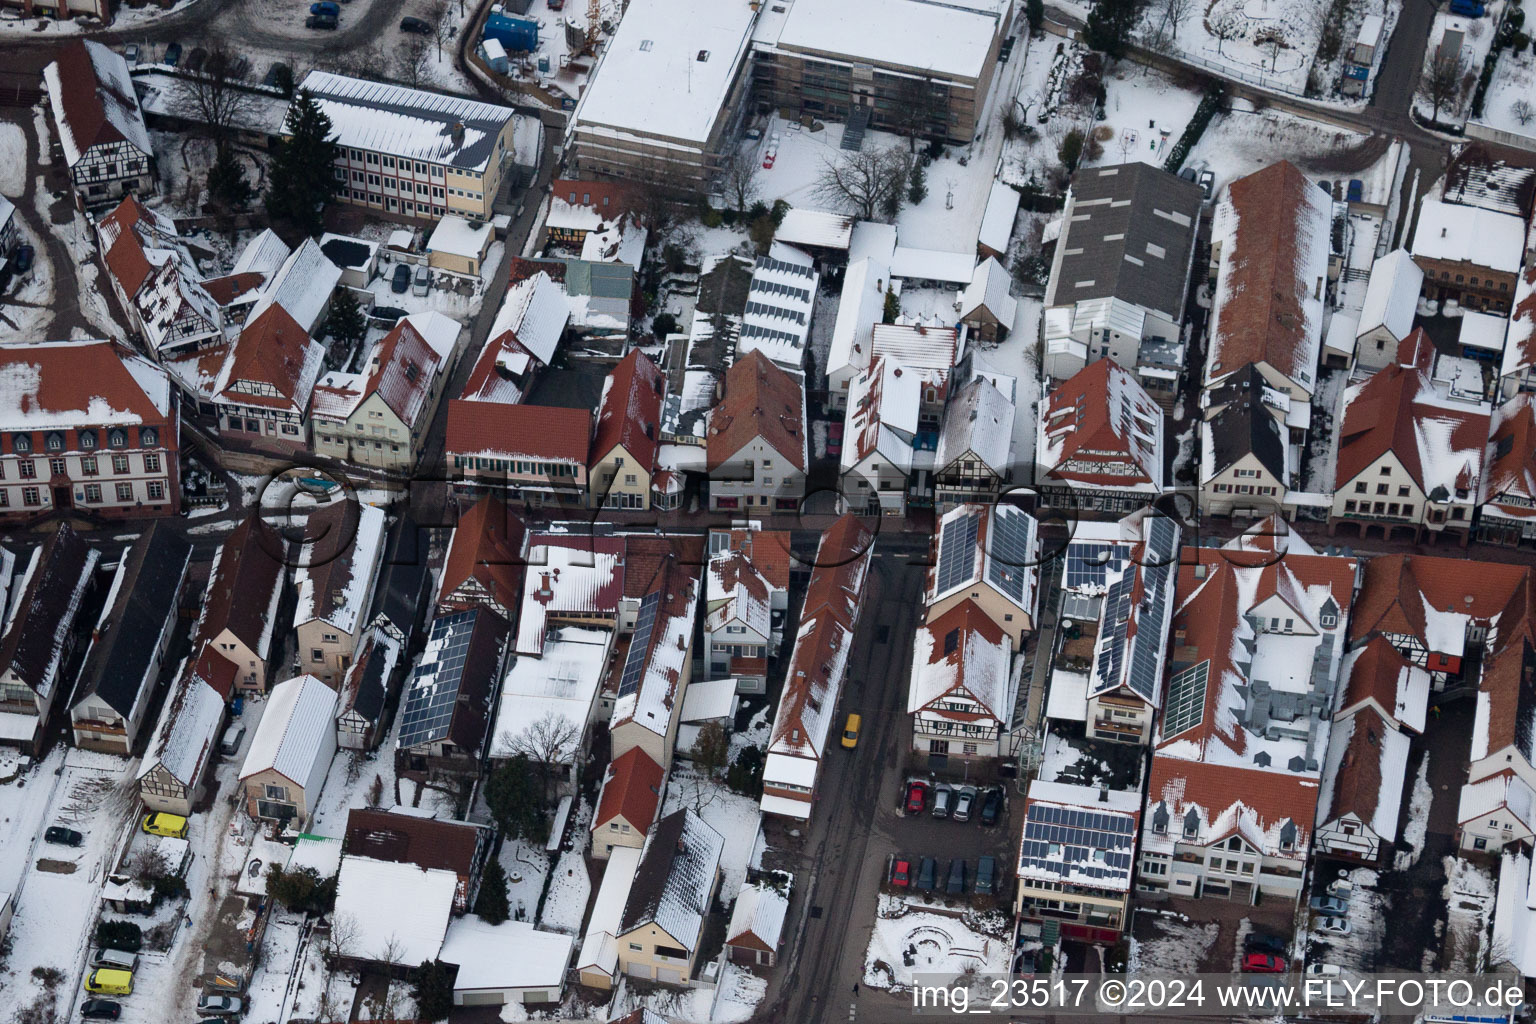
(965, 802)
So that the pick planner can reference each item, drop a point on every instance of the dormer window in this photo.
(147, 437)
(118, 438)
(1191, 824)
(22, 442)
(55, 441)
(88, 439)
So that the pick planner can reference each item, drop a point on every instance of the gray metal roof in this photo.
(1128, 235)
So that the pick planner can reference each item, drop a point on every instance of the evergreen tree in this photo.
(434, 990)
(512, 795)
(227, 187)
(346, 322)
(302, 178)
(917, 184)
(1034, 10)
(1109, 25)
(892, 308)
(491, 904)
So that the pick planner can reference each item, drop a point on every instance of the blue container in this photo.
(518, 35)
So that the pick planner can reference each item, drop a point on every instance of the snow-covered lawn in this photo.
(1243, 141)
(1469, 891)
(1476, 40)
(1144, 115)
(13, 160)
(908, 941)
(736, 817)
(1264, 42)
(1418, 818)
(570, 886)
(735, 999)
(1513, 83)
(1328, 75)
(1318, 472)
(526, 864)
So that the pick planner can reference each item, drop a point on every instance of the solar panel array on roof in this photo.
(769, 263)
(1077, 843)
(1117, 613)
(768, 334)
(1011, 547)
(1185, 706)
(434, 691)
(764, 309)
(1160, 561)
(639, 645)
(760, 287)
(957, 550)
(1089, 563)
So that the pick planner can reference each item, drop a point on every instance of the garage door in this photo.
(638, 970)
(669, 976)
(482, 999)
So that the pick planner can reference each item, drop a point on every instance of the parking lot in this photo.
(921, 835)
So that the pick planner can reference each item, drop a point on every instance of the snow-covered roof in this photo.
(291, 736)
(1482, 331)
(1505, 790)
(859, 308)
(581, 579)
(65, 385)
(708, 700)
(951, 40)
(882, 415)
(409, 123)
(399, 912)
(320, 854)
(668, 70)
(265, 254)
(759, 912)
(456, 236)
(1392, 295)
(815, 228)
(621, 240)
(974, 554)
(334, 585)
(510, 955)
(953, 268)
(979, 419)
(186, 732)
(960, 659)
(1067, 699)
(997, 220)
(660, 655)
(737, 592)
(780, 296)
(599, 947)
(1514, 911)
(93, 100)
(988, 290)
(675, 880)
(1101, 430)
(1456, 233)
(1364, 774)
(302, 286)
(1079, 835)
(561, 685)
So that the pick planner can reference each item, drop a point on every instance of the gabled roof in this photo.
(145, 255)
(1511, 459)
(534, 313)
(64, 385)
(996, 545)
(631, 790)
(1376, 671)
(1100, 428)
(1265, 808)
(530, 433)
(1520, 342)
(763, 401)
(769, 551)
(401, 369)
(43, 610)
(342, 555)
(302, 285)
(409, 838)
(246, 585)
(979, 419)
(736, 591)
(300, 716)
(93, 100)
(1439, 441)
(273, 350)
(757, 919)
(569, 574)
(1392, 296)
(365, 687)
(1273, 229)
(883, 406)
(989, 290)
(629, 413)
(1243, 426)
(487, 545)
(649, 691)
(141, 606)
(188, 728)
(963, 654)
(450, 693)
(1366, 767)
(1483, 238)
(676, 878)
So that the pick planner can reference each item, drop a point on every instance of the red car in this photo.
(835, 439)
(901, 873)
(1264, 963)
(917, 797)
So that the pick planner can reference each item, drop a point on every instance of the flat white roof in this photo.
(943, 38)
(1482, 331)
(1447, 231)
(815, 228)
(652, 79)
(510, 955)
(400, 910)
(997, 221)
(598, 948)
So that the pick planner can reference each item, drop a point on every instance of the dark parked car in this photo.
(1330, 905)
(416, 25)
(992, 806)
(101, 1009)
(956, 884)
(1005, 51)
(986, 876)
(402, 279)
(173, 54)
(325, 7)
(22, 260)
(320, 21)
(196, 58)
(1188, 174)
(63, 836)
(387, 314)
(927, 874)
(943, 800)
(1259, 942)
(277, 74)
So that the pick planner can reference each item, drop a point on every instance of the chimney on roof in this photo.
(458, 133)
(544, 590)
(1103, 792)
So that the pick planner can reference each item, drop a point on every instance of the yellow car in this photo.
(162, 824)
(851, 731)
(110, 982)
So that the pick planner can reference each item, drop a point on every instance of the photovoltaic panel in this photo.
(1010, 546)
(1117, 610)
(957, 550)
(1185, 706)
(1076, 843)
(428, 710)
(639, 645)
(1089, 563)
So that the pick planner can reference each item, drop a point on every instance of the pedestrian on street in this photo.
(855, 988)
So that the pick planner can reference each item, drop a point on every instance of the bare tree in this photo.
(863, 183)
(1272, 39)
(1175, 11)
(738, 179)
(916, 110)
(1523, 111)
(1442, 82)
(1225, 24)
(712, 750)
(415, 56)
(549, 744)
(214, 98)
(442, 28)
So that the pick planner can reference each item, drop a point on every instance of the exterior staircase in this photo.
(853, 131)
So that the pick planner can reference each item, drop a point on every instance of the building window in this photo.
(29, 496)
(156, 490)
(58, 467)
(93, 493)
(118, 438)
(22, 442)
(119, 463)
(27, 469)
(148, 438)
(87, 439)
(55, 442)
(151, 463)
(88, 465)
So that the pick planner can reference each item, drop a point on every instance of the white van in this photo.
(116, 959)
(423, 281)
(233, 737)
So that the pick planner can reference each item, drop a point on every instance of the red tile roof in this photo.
(528, 432)
(760, 400)
(632, 791)
(227, 289)
(125, 252)
(273, 349)
(1395, 588)
(80, 384)
(402, 370)
(630, 413)
(1102, 416)
(1374, 673)
(1232, 799)
(249, 570)
(769, 552)
(1512, 457)
(487, 546)
(1357, 783)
